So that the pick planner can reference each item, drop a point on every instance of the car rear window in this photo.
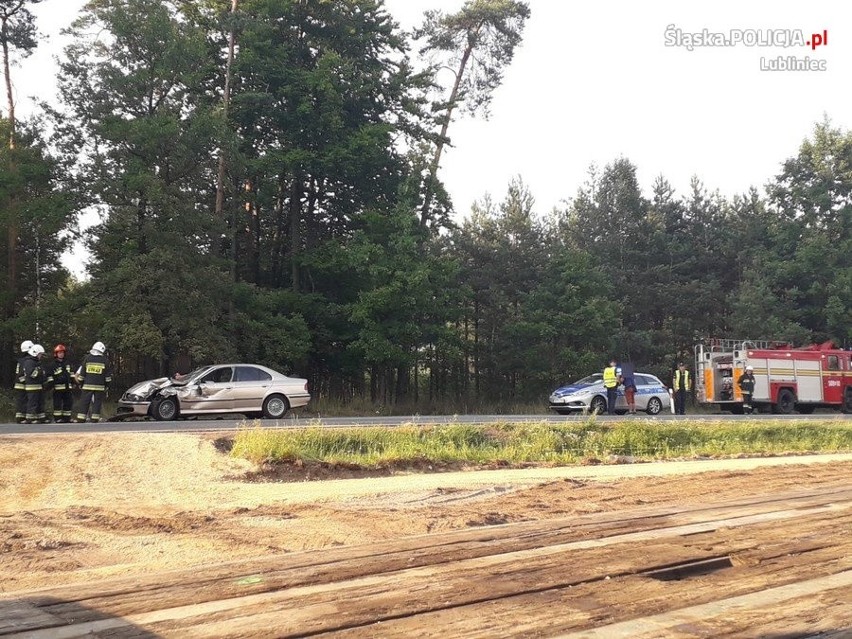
(251, 374)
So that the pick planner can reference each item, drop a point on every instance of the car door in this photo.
(832, 379)
(250, 387)
(214, 392)
(644, 391)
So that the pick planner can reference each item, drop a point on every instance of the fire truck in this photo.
(787, 378)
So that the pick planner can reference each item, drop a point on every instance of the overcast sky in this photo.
(595, 81)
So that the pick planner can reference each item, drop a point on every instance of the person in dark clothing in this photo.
(681, 387)
(63, 380)
(94, 377)
(20, 383)
(746, 384)
(35, 380)
(629, 383)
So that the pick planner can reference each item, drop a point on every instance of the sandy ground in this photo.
(78, 508)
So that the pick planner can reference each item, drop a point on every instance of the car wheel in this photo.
(275, 407)
(597, 405)
(786, 402)
(165, 409)
(654, 406)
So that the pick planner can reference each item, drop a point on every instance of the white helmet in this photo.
(98, 348)
(26, 345)
(36, 350)
(749, 367)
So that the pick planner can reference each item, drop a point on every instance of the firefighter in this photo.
(681, 386)
(746, 384)
(94, 377)
(63, 380)
(20, 379)
(35, 381)
(611, 380)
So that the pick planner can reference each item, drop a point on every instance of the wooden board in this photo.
(644, 571)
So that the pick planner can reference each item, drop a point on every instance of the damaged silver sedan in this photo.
(248, 389)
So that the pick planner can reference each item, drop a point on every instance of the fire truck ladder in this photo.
(720, 345)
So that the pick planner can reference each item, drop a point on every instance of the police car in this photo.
(589, 394)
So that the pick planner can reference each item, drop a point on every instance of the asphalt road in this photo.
(296, 421)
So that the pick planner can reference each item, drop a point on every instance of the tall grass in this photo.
(538, 442)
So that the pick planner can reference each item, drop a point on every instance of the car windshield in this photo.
(588, 381)
(192, 375)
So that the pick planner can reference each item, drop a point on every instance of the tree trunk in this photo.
(476, 373)
(226, 102)
(12, 229)
(402, 377)
(295, 231)
(10, 98)
(429, 194)
(278, 243)
(140, 226)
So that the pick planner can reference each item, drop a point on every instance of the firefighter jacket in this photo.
(34, 375)
(746, 383)
(63, 375)
(20, 376)
(94, 373)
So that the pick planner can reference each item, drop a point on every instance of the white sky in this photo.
(594, 81)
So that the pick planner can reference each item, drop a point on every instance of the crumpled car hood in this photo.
(143, 390)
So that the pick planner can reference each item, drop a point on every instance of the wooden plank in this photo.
(423, 549)
(189, 592)
(561, 610)
(706, 620)
(183, 587)
(366, 603)
(513, 553)
(16, 616)
(323, 608)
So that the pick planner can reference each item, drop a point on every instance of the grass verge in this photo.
(538, 442)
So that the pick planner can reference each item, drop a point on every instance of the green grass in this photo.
(538, 442)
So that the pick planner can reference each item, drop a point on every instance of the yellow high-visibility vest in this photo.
(676, 385)
(610, 378)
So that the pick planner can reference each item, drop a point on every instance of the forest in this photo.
(266, 175)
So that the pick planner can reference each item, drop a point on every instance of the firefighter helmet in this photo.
(59, 348)
(37, 350)
(749, 367)
(98, 348)
(26, 345)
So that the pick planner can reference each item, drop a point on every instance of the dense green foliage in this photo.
(538, 442)
(335, 255)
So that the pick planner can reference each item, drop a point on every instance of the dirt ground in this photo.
(79, 508)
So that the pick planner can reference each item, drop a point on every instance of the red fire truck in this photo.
(787, 378)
